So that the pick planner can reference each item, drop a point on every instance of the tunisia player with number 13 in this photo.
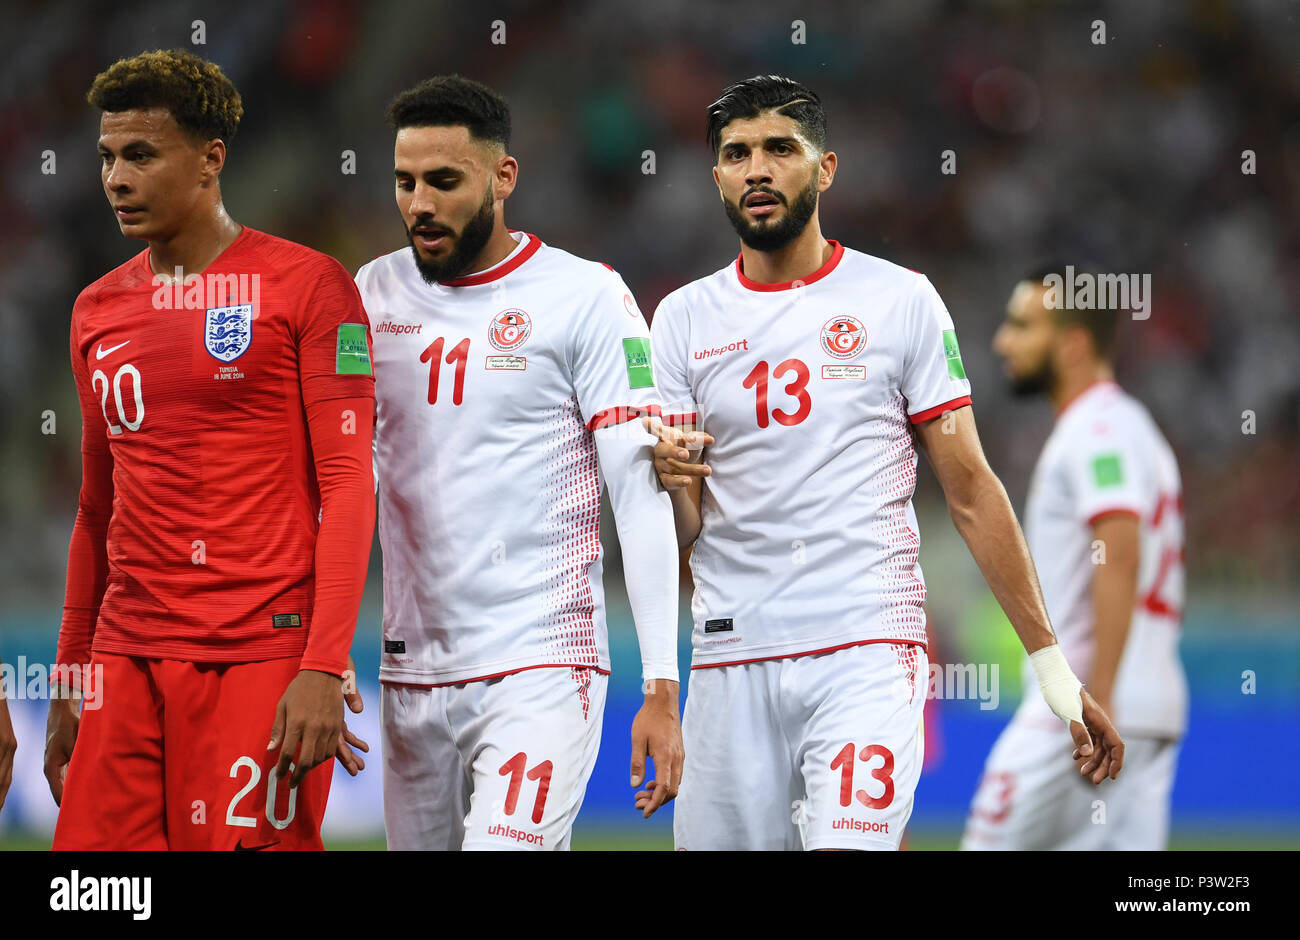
(815, 373)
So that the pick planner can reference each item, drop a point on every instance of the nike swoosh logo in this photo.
(101, 352)
(240, 847)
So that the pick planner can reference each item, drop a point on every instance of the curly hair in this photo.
(197, 93)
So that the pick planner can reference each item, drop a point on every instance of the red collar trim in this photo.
(817, 275)
(1081, 392)
(502, 269)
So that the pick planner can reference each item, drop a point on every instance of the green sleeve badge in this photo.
(353, 357)
(636, 350)
(950, 352)
(1106, 470)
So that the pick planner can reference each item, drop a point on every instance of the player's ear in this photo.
(717, 181)
(505, 176)
(213, 159)
(826, 175)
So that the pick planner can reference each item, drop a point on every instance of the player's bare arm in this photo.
(1114, 596)
(679, 462)
(8, 745)
(982, 513)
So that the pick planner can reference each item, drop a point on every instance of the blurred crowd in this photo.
(1127, 154)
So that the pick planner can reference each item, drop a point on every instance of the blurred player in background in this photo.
(1104, 522)
(226, 510)
(512, 378)
(817, 372)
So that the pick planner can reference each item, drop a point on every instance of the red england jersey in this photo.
(197, 531)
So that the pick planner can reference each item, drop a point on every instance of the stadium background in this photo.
(1128, 152)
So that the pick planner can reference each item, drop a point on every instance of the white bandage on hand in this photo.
(1058, 683)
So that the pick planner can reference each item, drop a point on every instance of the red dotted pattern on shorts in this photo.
(582, 676)
(907, 661)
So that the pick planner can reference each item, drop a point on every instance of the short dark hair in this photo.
(453, 100)
(1102, 324)
(749, 98)
(197, 93)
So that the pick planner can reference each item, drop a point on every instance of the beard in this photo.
(1033, 383)
(468, 244)
(763, 235)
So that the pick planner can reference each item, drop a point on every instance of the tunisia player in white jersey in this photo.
(814, 374)
(511, 383)
(1104, 524)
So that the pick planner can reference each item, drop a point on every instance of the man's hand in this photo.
(351, 761)
(60, 735)
(677, 456)
(681, 472)
(1101, 755)
(308, 721)
(8, 744)
(657, 731)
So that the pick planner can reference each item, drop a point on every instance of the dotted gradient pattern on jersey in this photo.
(570, 496)
(894, 474)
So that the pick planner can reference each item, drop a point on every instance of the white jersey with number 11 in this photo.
(489, 390)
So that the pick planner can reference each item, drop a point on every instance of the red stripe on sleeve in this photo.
(619, 415)
(1114, 511)
(922, 416)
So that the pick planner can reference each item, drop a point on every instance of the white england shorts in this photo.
(1032, 795)
(811, 752)
(494, 764)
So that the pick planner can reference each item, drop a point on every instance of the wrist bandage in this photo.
(1058, 683)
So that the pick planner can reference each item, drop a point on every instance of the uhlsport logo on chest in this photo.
(228, 331)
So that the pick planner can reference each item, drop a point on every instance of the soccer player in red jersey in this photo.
(227, 500)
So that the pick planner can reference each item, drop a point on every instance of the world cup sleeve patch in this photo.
(1106, 470)
(636, 350)
(950, 352)
(353, 356)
